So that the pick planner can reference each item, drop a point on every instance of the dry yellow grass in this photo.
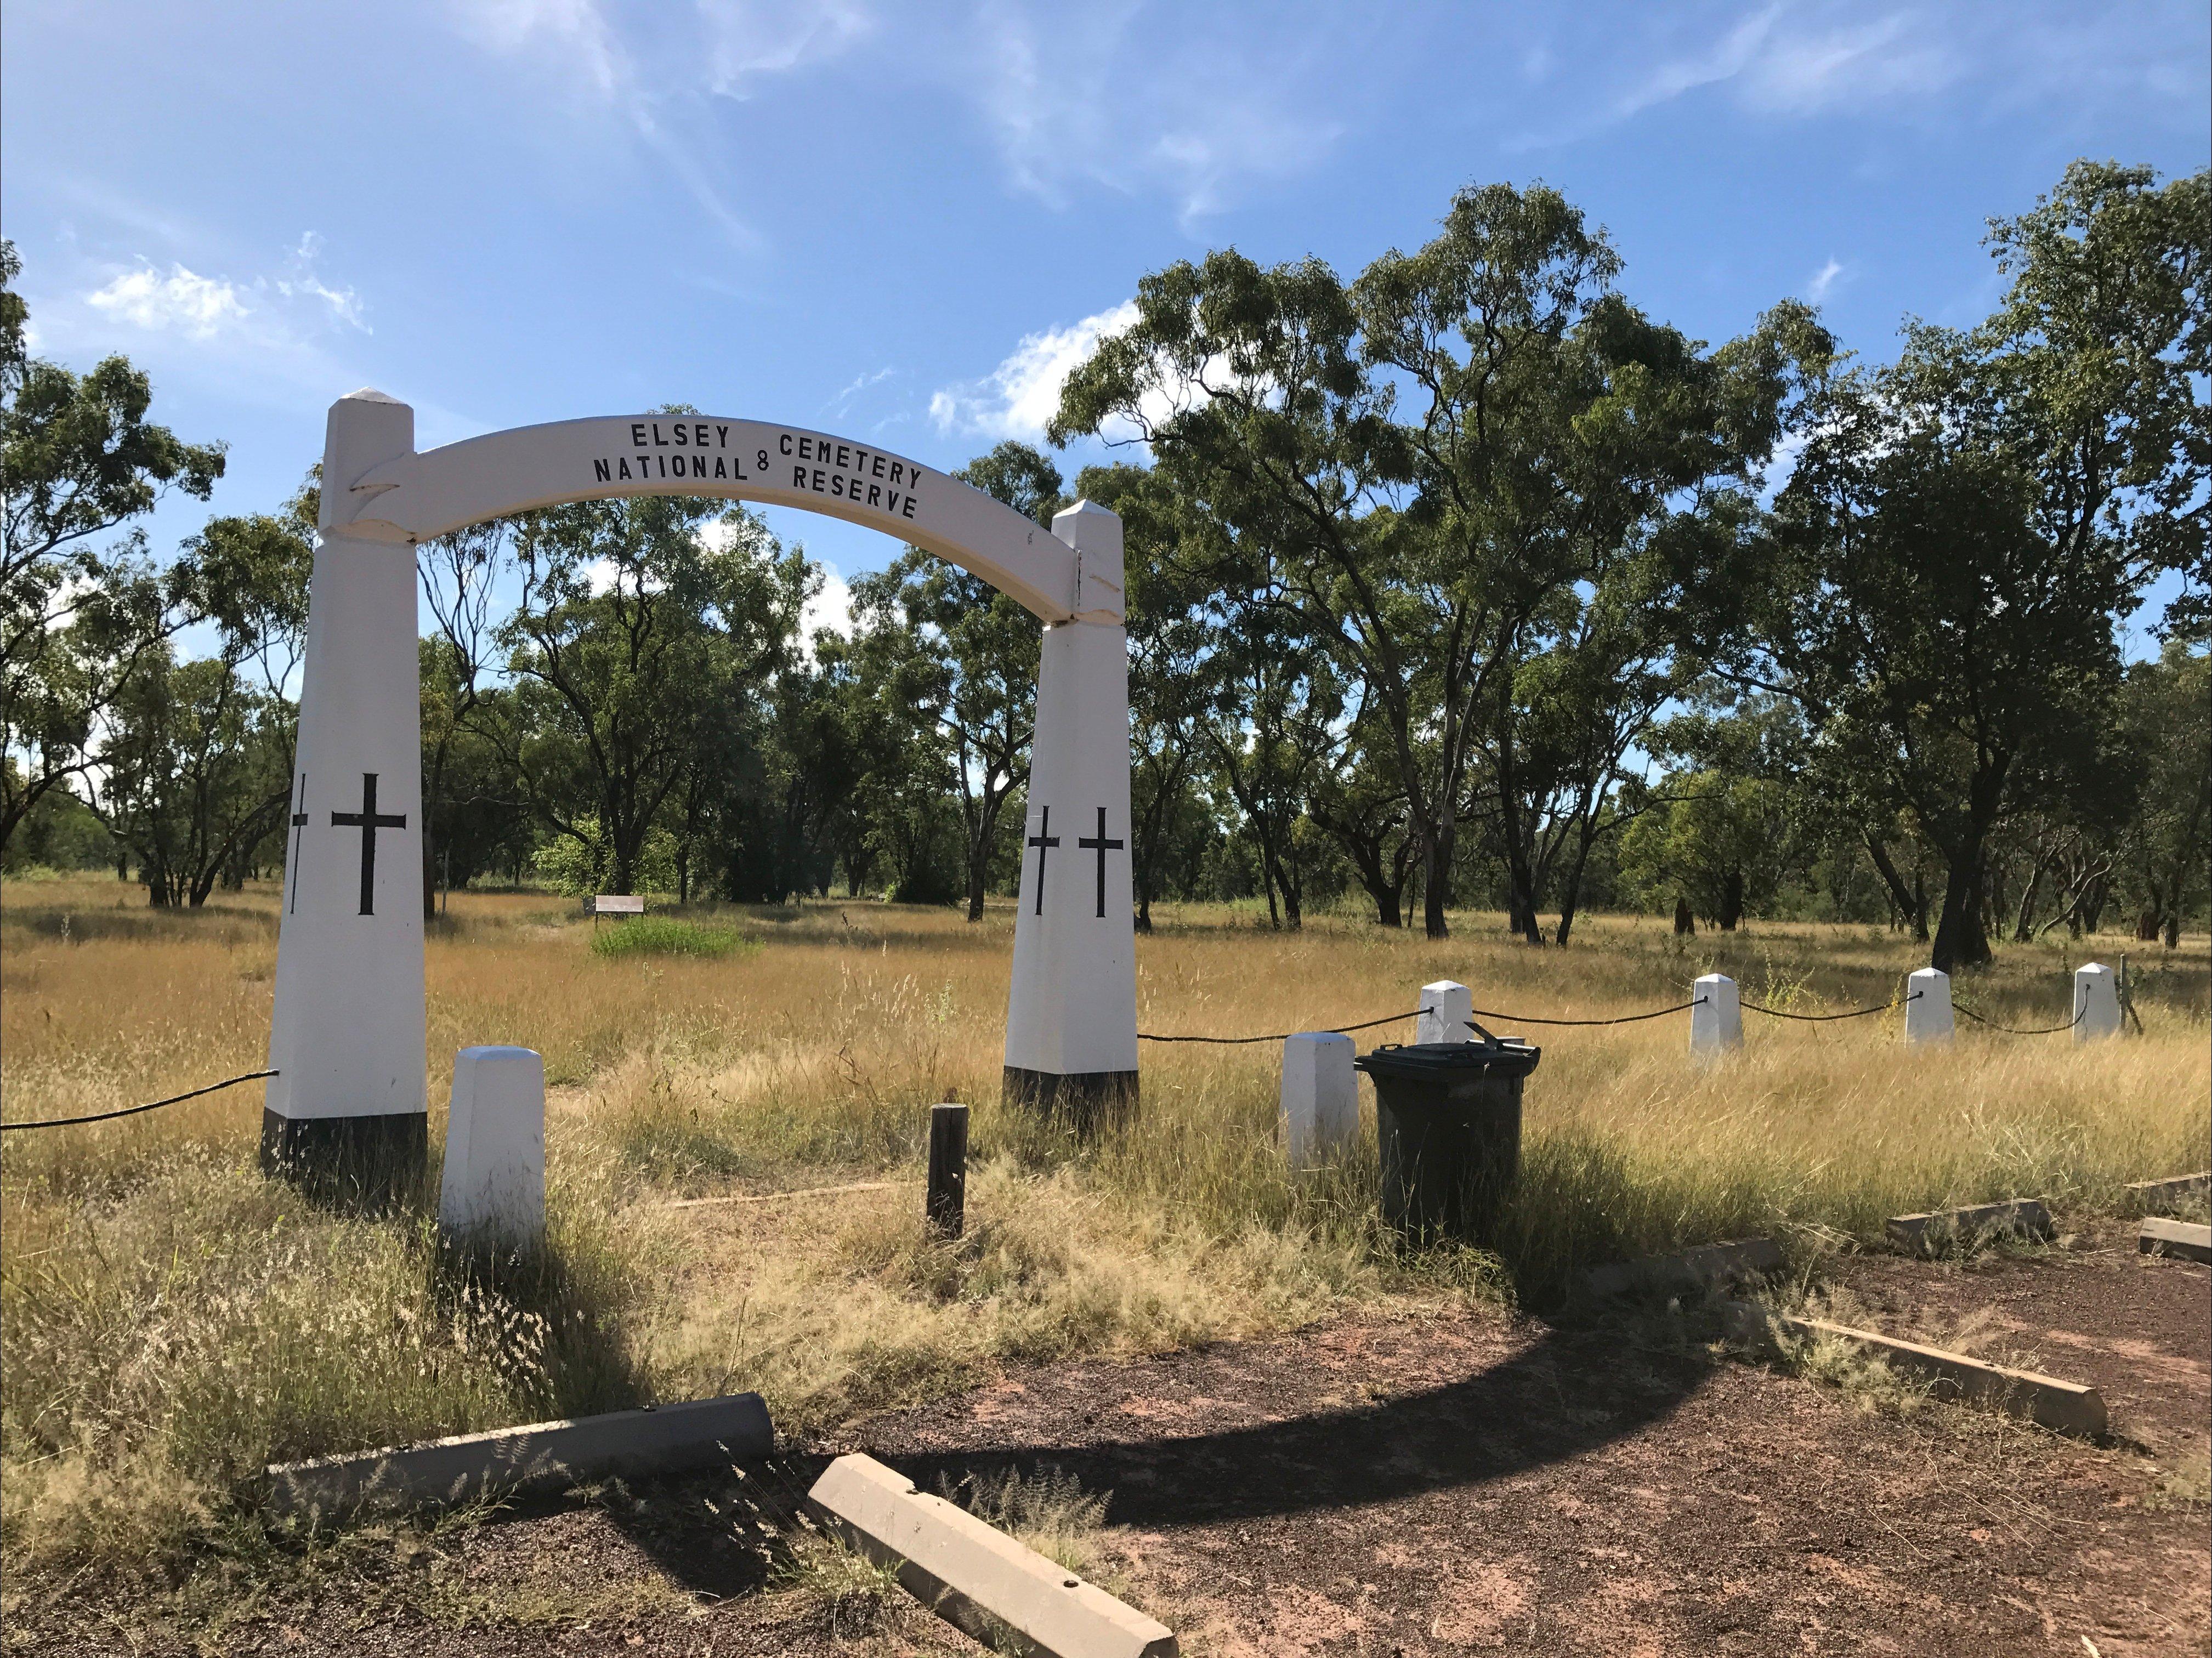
(171, 1322)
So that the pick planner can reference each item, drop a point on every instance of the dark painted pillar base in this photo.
(1086, 1100)
(371, 1161)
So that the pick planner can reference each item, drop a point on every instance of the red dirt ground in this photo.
(1462, 1485)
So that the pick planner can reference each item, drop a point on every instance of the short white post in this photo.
(1072, 1007)
(1321, 1096)
(1716, 1016)
(493, 1189)
(1446, 1007)
(2096, 1002)
(346, 1037)
(1927, 1015)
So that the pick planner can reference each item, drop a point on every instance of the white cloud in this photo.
(196, 306)
(1019, 397)
(267, 315)
(831, 607)
(1823, 280)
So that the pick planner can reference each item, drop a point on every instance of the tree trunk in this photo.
(1436, 878)
(1908, 901)
(2023, 925)
(1731, 901)
(1389, 910)
(1919, 907)
(975, 885)
(1960, 938)
(1685, 921)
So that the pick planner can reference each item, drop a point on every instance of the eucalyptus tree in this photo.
(1965, 526)
(950, 643)
(640, 625)
(79, 621)
(1415, 467)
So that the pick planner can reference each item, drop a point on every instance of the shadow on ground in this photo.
(1563, 1394)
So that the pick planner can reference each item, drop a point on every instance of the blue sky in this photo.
(902, 223)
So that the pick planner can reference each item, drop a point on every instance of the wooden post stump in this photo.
(946, 1206)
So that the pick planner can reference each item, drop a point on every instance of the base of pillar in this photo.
(369, 1161)
(1085, 1100)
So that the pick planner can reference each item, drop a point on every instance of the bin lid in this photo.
(1506, 1057)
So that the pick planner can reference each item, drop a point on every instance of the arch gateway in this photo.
(347, 1035)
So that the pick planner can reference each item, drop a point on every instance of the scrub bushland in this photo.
(170, 1323)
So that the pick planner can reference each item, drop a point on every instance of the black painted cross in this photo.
(299, 823)
(1044, 843)
(1104, 847)
(369, 823)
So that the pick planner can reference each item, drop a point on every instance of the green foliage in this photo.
(662, 935)
(78, 622)
(1964, 527)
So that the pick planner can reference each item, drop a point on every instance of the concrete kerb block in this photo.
(1715, 1016)
(2096, 1002)
(1446, 1007)
(2067, 1407)
(494, 1185)
(1940, 1229)
(1708, 1265)
(975, 1576)
(2149, 1196)
(1927, 1015)
(1321, 1096)
(2186, 1239)
(541, 1456)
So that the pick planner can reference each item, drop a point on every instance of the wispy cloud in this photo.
(1201, 109)
(860, 383)
(1017, 398)
(1779, 61)
(1823, 280)
(655, 67)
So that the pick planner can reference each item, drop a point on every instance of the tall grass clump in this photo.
(161, 1347)
(664, 935)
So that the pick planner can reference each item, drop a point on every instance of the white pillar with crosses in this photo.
(346, 1036)
(1072, 1009)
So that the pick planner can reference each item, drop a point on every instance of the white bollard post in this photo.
(1072, 1009)
(1715, 1016)
(1446, 1007)
(346, 1038)
(1927, 1017)
(1321, 1096)
(2096, 1002)
(493, 1188)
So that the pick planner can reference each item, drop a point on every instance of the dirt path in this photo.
(1454, 1485)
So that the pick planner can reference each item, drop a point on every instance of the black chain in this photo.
(1632, 1019)
(133, 1110)
(1235, 1042)
(2041, 1031)
(1821, 1018)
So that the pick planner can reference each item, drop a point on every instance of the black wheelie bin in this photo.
(1449, 1118)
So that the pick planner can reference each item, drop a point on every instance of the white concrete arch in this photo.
(348, 1033)
(420, 495)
